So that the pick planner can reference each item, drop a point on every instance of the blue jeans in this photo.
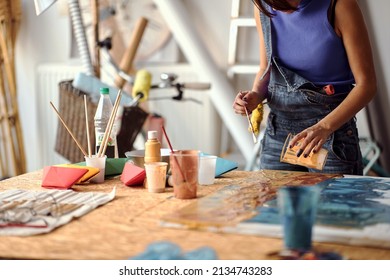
(296, 104)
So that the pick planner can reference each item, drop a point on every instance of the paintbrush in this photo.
(87, 126)
(68, 129)
(251, 125)
(107, 133)
(174, 158)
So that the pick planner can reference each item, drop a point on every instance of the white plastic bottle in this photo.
(152, 148)
(102, 116)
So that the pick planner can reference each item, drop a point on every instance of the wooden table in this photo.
(125, 226)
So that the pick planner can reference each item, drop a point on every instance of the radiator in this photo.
(189, 124)
(49, 76)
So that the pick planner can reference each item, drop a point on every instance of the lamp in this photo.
(42, 5)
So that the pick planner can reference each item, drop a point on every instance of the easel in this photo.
(11, 137)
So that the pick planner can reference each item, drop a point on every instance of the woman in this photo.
(316, 72)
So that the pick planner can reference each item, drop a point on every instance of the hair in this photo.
(280, 5)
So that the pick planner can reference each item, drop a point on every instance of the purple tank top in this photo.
(307, 44)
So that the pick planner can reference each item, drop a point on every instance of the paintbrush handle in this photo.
(87, 126)
(107, 133)
(174, 158)
(68, 129)
(251, 125)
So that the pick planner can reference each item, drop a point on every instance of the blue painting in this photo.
(351, 210)
(345, 202)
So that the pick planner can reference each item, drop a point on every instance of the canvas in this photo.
(352, 210)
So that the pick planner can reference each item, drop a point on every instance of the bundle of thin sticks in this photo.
(111, 120)
(12, 148)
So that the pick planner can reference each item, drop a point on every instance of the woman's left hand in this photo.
(311, 139)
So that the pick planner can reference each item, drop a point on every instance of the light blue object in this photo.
(166, 250)
(92, 85)
(223, 165)
(202, 253)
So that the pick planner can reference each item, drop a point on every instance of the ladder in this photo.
(238, 22)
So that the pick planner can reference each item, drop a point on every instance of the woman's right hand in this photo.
(248, 99)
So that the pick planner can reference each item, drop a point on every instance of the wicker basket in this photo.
(71, 108)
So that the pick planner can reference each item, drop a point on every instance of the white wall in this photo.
(378, 21)
(47, 39)
(376, 13)
(40, 39)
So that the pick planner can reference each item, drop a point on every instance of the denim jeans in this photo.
(296, 104)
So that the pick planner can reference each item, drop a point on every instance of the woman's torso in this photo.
(305, 42)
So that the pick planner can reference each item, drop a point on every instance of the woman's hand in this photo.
(248, 99)
(311, 139)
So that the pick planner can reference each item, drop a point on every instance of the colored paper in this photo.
(133, 175)
(92, 172)
(223, 166)
(114, 166)
(61, 177)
